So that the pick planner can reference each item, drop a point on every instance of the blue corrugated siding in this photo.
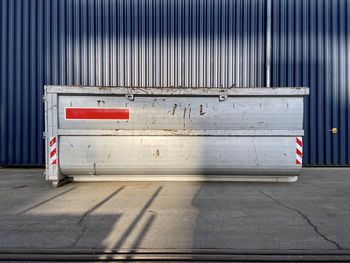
(161, 43)
(173, 43)
(22, 78)
(146, 43)
(311, 41)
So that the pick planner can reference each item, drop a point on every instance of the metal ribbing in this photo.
(311, 48)
(22, 79)
(155, 43)
(109, 42)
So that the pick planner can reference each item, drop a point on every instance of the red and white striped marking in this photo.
(53, 150)
(72, 113)
(299, 150)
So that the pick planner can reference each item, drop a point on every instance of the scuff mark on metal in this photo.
(53, 106)
(144, 90)
(94, 169)
(157, 153)
(201, 112)
(256, 156)
(175, 105)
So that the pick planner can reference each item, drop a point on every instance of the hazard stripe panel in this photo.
(52, 141)
(96, 114)
(53, 153)
(299, 150)
(299, 141)
(53, 150)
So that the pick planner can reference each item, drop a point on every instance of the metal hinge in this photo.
(223, 96)
(44, 98)
(130, 96)
(44, 135)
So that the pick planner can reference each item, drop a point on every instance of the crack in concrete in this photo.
(305, 217)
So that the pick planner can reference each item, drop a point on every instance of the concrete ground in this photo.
(313, 213)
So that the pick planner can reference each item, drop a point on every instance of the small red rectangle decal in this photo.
(97, 114)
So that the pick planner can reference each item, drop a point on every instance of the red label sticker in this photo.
(96, 114)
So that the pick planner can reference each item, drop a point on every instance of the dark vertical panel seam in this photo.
(4, 80)
(18, 81)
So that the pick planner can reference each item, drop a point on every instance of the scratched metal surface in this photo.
(203, 113)
(177, 155)
(187, 134)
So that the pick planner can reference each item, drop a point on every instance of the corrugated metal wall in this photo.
(111, 42)
(172, 43)
(311, 47)
(22, 78)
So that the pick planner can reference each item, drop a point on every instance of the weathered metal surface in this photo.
(168, 132)
(195, 112)
(186, 155)
(176, 132)
(187, 91)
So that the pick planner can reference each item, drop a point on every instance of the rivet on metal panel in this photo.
(130, 96)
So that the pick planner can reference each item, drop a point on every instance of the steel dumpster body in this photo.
(123, 133)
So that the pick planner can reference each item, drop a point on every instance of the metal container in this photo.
(124, 133)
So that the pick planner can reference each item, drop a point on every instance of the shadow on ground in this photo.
(310, 214)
